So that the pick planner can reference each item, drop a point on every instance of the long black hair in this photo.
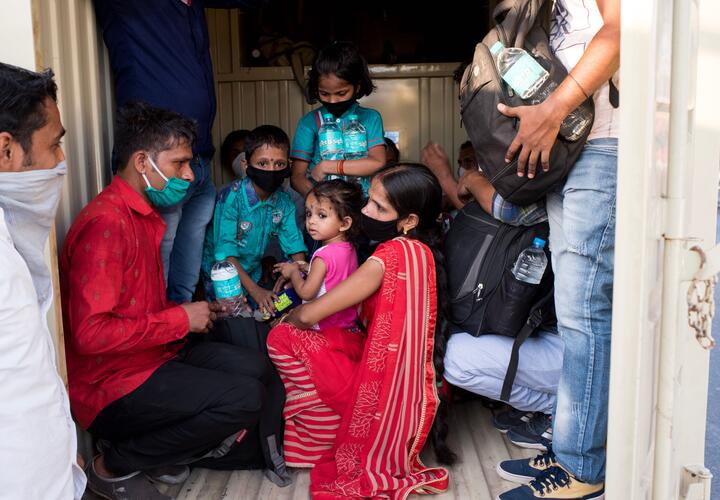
(344, 61)
(413, 189)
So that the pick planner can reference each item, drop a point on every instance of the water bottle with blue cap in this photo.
(531, 263)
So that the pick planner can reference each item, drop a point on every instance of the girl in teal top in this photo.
(338, 78)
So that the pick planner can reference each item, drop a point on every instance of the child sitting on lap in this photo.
(332, 216)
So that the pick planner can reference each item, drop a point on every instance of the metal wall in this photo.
(419, 101)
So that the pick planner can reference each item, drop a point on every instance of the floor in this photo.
(478, 445)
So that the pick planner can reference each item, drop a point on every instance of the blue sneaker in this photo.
(535, 434)
(509, 418)
(555, 483)
(524, 470)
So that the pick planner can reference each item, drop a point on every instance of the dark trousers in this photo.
(191, 404)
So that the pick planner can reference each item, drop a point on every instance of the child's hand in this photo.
(324, 168)
(286, 269)
(264, 298)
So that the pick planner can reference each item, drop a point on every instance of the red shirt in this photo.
(118, 326)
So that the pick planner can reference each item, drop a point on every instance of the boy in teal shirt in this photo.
(251, 210)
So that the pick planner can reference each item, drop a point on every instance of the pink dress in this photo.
(340, 261)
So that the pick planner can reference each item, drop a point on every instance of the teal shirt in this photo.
(243, 224)
(305, 143)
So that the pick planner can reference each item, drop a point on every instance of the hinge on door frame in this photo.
(695, 474)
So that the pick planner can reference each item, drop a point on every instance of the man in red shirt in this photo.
(154, 398)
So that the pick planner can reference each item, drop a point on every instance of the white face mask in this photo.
(237, 166)
(30, 200)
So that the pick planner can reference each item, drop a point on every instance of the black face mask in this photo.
(268, 180)
(378, 230)
(338, 108)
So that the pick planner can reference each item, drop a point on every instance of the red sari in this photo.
(360, 409)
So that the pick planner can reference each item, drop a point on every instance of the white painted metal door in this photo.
(667, 193)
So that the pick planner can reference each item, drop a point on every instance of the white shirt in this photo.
(574, 24)
(38, 444)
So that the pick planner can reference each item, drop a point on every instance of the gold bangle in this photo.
(580, 86)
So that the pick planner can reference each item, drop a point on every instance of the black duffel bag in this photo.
(518, 24)
(485, 297)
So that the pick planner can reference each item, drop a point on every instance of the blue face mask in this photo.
(174, 191)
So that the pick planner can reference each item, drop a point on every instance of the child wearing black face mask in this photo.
(253, 209)
(338, 78)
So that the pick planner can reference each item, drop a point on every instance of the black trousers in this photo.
(192, 403)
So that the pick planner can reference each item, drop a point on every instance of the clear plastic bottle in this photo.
(227, 287)
(531, 83)
(531, 263)
(330, 137)
(355, 139)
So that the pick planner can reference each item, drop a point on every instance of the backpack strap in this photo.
(533, 322)
(514, 19)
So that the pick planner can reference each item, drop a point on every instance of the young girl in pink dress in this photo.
(332, 214)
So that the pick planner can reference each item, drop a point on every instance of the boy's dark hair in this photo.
(142, 127)
(347, 200)
(344, 61)
(390, 144)
(230, 139)
(466, 144)
(22, 102)
(265, 135)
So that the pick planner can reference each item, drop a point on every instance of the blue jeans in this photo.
(182, 245)
(582, 241)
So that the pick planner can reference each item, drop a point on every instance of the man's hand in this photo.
(539, 127)
(435, 158)
(264, 298)
(465, 183)
(200, 315)
(324, 168)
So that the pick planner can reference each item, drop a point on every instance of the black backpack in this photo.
(518, 24)
(485, 297)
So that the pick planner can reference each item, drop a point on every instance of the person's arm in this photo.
(302, 152)
(540, 124)
(298, 177)
(478, 186)
(307, 288)
(96, 281)
(289, 235)
(434, 157)
(357, 287)
(264, 298)
(362, 167)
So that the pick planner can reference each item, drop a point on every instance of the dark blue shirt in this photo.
(159, 53)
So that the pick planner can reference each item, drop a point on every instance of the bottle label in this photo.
(331, 141)
(356, 144)
(229, 288)
(524, 75)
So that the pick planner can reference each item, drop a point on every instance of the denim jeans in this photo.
(582, 241)
(182, 244)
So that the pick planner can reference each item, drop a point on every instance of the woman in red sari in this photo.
(360, 406)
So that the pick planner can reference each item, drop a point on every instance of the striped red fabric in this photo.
(361, 409)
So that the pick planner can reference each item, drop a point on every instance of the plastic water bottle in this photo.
(355, 139)
(227, 287)
(330, 137)
(532, 84)
(531, 263)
